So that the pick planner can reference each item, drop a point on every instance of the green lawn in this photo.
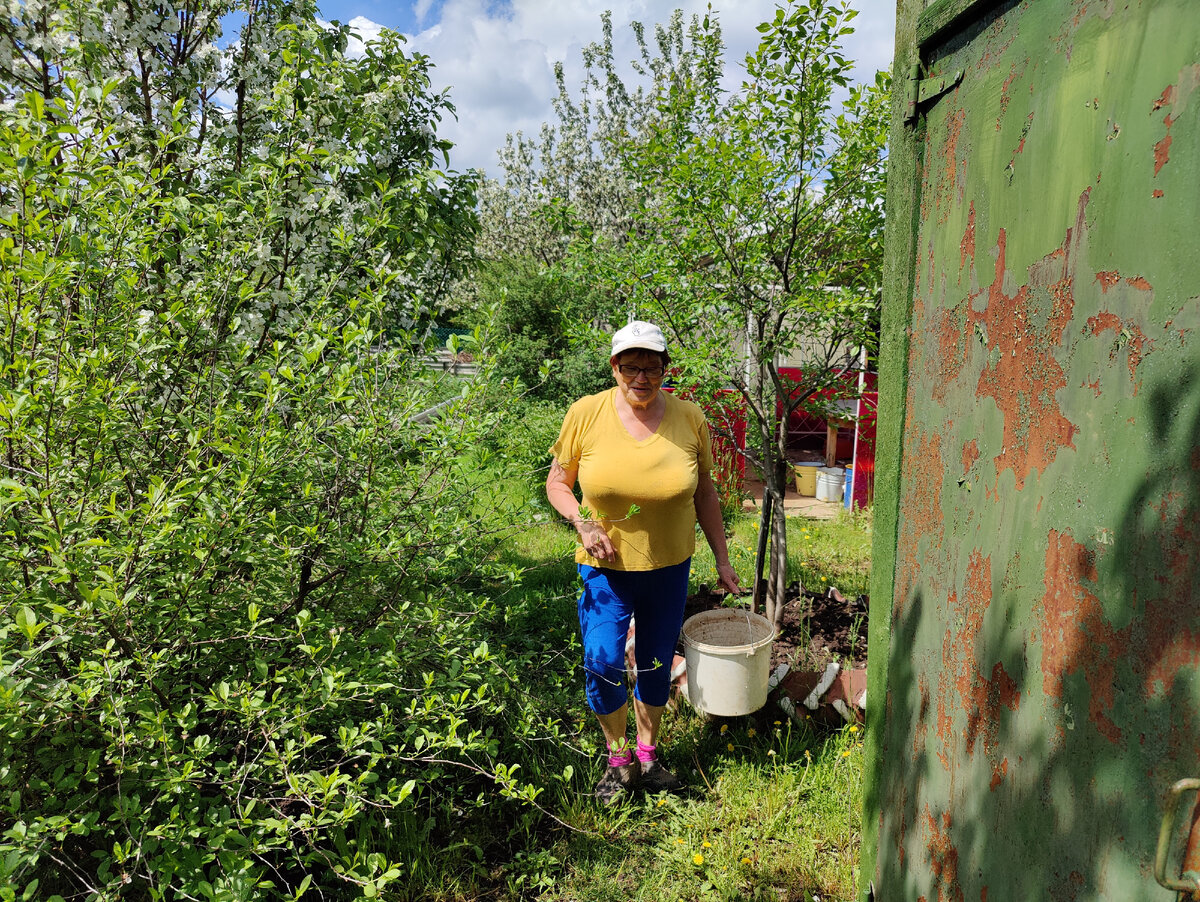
(773, 808)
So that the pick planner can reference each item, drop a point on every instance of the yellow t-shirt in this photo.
(659, 474)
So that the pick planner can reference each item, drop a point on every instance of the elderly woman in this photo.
(643, 459)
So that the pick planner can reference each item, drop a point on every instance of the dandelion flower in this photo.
(751, 732)
(661, 802)
(778, 722)
(746, 861)
(706, 845)
(846, 754)
(724, 728)
(697, 858)
(678, 841)
(771, 753)
(854, 728)
(730, 746)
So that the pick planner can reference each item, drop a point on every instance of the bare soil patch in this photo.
(818, 627)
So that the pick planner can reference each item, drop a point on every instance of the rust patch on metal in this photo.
(1173, 96)
(1107, 280)
(953, 661)
(966, 247)
(1004, 89)
(922, 727)
(1162, 149)
(952, 338)
(1020, 149)
(943, 858)
(1170, 655)
(959, 665)
(996, 47)
(1167, 98)
(1168, 632)
(970, 455)
(923, 509)
(1129, 337)
(983, 701)
(1076, 636)
(954, 169)
(1068, 890)
(1022, 376)
(999, 772)
(959, 649)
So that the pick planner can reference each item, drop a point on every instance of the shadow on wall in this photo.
(1031, 759)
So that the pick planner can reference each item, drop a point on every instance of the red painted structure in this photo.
(807, 433)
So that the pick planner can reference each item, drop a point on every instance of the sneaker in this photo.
(656, 778)
(617, 780)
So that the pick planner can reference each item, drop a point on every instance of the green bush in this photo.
(533, 314)
(518, 448)
(237, 657)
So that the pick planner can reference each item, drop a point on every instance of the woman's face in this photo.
(638, 389)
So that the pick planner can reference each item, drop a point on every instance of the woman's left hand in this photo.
(727, 578)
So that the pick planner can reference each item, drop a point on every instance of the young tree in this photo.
(760, 231)
(751, 220)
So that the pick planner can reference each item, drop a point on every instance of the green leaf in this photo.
(27, 622)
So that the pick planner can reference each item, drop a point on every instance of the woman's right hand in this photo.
(595, 540)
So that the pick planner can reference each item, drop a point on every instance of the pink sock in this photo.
(646, 753)
(621, 758)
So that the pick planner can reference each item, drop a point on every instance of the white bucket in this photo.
(728, 653)
(829, 484)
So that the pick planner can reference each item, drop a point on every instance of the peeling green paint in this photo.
(1035, 640)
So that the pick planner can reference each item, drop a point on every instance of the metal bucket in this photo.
(830, 481)
(806, 477)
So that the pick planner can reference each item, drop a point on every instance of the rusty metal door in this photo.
(1035, 647)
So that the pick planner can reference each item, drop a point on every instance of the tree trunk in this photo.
(764, 536)
(776, 475)
(777, 581)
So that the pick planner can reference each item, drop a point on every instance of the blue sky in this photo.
(400, 17)
(497, 57)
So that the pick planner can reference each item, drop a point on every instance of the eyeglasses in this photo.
(631, 372)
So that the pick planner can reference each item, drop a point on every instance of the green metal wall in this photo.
(1035, 646)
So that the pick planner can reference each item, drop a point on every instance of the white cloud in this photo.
(367, 32)
(421, 10)
(498, 59)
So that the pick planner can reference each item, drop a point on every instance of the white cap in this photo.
(638, 335)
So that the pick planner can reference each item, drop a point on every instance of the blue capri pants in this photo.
(608, 600)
